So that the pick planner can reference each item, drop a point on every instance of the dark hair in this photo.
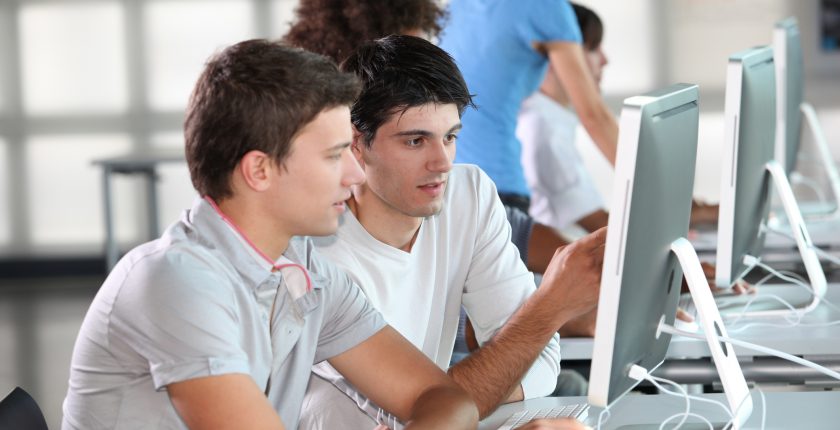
(400, 72)
(335, 28)
(256, 95)
(591, 27)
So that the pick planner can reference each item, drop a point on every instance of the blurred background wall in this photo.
(82, 80)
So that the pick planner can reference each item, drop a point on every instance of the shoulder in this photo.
(174, 273)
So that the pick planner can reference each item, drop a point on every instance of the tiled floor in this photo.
(39, 320)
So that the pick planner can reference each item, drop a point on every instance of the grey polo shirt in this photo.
(196, 303)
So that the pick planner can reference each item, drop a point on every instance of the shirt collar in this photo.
(210, 225)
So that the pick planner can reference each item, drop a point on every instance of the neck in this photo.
(553, 89)
(266, 235)
(382, 221)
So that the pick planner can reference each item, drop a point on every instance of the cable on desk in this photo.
(794, 318)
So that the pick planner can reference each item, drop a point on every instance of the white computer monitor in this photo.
(646, 252)
(787, 51)
(750, 173)
(790, 109)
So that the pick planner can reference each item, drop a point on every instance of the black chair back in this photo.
(19, 411)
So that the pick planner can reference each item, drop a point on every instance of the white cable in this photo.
(653, 380)
(769, 351)
(796, 280)
(603, 420)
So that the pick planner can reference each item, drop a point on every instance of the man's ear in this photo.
(358, 146)
(255, 169)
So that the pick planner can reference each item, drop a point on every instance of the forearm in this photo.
(602, 127)
(542, 245)
(492, 373)
(443, 407)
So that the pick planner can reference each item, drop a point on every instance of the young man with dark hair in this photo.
(424, 238)
(217, 323)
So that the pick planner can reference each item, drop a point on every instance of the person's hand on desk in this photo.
(709, 270)
(555, 424)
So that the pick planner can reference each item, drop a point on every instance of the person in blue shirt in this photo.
(503, 48)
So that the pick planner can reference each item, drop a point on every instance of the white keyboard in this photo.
(579, 412)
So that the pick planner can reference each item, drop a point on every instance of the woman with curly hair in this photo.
(335, 28)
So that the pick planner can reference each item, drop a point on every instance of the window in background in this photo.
(282, 15)
(5, 222)
(72, 57)
(705, 33)
(65, 190)
(180, 36)
(6, 22)
(175, 190)
(630, 35)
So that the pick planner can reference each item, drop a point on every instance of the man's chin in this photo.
(427, 211)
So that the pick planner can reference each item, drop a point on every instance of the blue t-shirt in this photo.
(492, 42)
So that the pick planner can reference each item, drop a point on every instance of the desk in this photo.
(815, 410)
(824, 233)
(688, 359)
(143, 163)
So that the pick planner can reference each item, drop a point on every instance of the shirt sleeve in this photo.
(181, 317)
(497, 285)
(349, 318)
(549, 21)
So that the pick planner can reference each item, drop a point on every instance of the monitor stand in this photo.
(816, 276)
(723, 354)
(828, 210)
(731, 378)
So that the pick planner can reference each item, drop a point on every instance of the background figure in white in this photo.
(563, 194)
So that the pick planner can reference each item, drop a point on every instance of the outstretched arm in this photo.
(392, 373)
(492, 374)
(567, 61)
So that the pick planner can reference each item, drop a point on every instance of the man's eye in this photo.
(414, 142)
(451, 138)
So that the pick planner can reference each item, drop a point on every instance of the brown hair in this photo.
(335, 28)
(256, 95)
(591, 27)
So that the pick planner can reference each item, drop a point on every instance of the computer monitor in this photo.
(790, 109)
(749, 119)
(749, 173)
(787, 51)
(646, 251)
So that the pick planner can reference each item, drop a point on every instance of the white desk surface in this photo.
(798, 340)
(815, 410)
(824, 232)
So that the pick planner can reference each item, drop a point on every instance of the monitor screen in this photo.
(787, 49)
(641, 278)
(750, 117)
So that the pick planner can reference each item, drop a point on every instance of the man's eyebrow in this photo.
(338, 147)
(420, 132)
(416, 132)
